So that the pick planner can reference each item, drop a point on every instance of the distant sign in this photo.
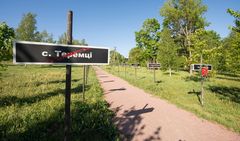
(124, 64)
(154, 65)
(46, 53)
(136, 65)
(196, 67)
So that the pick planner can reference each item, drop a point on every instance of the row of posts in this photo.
(154, 78)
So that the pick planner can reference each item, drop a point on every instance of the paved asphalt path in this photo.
(142, 117)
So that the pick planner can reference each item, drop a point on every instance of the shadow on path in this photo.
(129, 124)
(118, 89)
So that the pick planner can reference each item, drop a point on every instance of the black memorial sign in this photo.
(154, 65)
(45, 53)
(196, 67)
(135, 65)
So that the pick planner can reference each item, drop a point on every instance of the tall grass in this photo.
(32, 105)
(221, 99)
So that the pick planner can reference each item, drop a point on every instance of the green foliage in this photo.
(136, 56)
(168, 56)
(44, 36)
(32, 106)
(235, 14)
(27, 29)
(231, 52)
(147, 38)
(80, 42)
(63, 40)
(222, 103)
(205, 43)
(183, 18)
(116, 58)
(6, 37)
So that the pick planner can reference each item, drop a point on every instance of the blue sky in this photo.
(109, 23)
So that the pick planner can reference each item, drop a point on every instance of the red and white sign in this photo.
(204, 71)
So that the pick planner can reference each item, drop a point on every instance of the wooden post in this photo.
(154, 75)
(87, 72)
(125, 70)
(67, 126)
(135, 72)
(202, 91)
(118, 69)
(84, 81)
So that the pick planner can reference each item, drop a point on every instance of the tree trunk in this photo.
(189, 51)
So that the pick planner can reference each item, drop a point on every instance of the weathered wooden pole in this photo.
(118, 69)
(87, 72)
(84, 82)
(154, 75)
(202, 91)
(125, 70)
(67, 126)
(135, 68)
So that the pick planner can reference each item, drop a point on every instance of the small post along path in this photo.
(143, 117)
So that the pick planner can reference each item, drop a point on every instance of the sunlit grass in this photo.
(32, 105)
(221, 94)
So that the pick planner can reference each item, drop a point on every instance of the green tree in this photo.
(205, 44)
(116, 58)
(136, 56)
(183, 18)
(231, 46)
(63, 40)
(235, 14)
(206, 48)
(44, 36)
(6, 37)
(231, 52)
(80, 42)
(27, 29)
(148, 37)
(168, 56)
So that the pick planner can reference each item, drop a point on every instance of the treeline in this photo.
(27, 31)
(182, 39)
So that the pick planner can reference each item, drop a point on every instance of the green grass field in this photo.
(221, 99)
(32, 105)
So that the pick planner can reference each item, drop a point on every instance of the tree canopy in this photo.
(148, 37)
(116, 58)
(6, 37)
(63, 40)
(136, 56)
(183, 18)
(168, 56)
(236, 15)
(27, 29)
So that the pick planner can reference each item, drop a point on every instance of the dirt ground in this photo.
(142, 117)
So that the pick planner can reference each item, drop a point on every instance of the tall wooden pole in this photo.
(87, 72)
(67, 126)
(84, 81)
(135, 68)
(154, 75)
(125, 70)
(202, 91)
